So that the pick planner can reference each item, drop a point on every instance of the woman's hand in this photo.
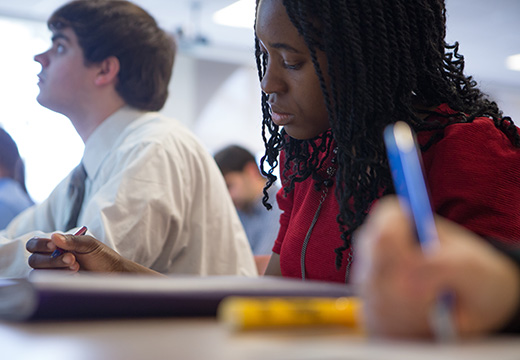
(399, 284)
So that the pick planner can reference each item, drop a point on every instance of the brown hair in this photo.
(119, 28)
(233, 158)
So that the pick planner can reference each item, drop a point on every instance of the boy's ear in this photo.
(108, 70)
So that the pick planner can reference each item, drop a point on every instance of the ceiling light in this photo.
(238, 14)
(513, 62)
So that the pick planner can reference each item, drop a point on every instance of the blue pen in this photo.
(59, 251)
(407, 173)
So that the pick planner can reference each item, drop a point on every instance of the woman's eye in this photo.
(60, 48)
(292, 66)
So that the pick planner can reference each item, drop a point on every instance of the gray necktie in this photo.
(76, 194)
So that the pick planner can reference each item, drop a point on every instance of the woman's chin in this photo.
(302, 134)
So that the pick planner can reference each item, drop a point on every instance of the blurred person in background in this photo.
(246, 187)
(14, 197)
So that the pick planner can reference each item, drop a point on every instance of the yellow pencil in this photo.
(242, 313)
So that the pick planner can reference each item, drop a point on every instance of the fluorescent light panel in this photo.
(513, 62)
(239, 14)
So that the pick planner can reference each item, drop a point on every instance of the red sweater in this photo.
(473, 174)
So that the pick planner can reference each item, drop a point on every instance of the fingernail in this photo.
(67, 259)
(62, 238)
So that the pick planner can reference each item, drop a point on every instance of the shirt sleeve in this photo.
(140, 198)
(473, 174)
(13, 255)
(39, 220)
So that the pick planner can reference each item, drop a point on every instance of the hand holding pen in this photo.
(43, 256)
(78, 252)
(406, 166)
(399, 284)
(58, 251)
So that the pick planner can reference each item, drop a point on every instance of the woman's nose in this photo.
(272, 81)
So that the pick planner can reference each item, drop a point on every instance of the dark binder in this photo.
(55, 296)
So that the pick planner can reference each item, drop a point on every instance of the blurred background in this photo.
(214, 89)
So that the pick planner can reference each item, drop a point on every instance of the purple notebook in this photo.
(55, 296)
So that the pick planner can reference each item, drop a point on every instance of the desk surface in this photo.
(187, 339)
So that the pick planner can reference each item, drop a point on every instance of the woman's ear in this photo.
(108, 70)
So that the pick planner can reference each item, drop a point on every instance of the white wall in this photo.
(46, 140)
(219, 101)
(506, 96)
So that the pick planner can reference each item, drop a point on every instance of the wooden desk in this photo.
(187, 339)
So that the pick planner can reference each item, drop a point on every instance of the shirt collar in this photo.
(106, 137)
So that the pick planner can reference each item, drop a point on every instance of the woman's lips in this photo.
(280, 118)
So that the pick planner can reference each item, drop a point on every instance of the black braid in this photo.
(386, 60)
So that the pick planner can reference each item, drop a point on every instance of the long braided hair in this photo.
(387, 60)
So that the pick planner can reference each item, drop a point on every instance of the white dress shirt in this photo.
(153, 194)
